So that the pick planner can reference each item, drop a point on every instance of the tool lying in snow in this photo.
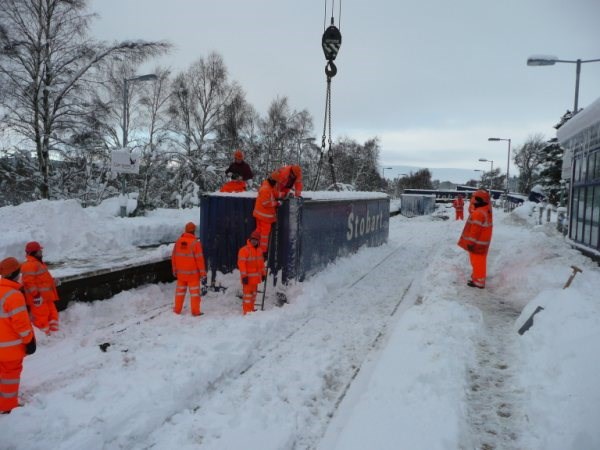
(529, 322)
(575, 271)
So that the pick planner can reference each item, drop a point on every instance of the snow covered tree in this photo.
(45, 54)
(551, 173)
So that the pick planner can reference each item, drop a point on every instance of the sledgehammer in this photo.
(575, 270)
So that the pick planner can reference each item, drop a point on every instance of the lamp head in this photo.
(493, 139)
(484, 160)
(541, 60)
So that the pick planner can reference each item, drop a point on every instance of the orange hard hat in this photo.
(483, 195)
(190, 227)
(9, 266)
(32, 247)
(255, 235)
(275, 175)
(238, 154)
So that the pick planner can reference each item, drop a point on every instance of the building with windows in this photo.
(580, 137)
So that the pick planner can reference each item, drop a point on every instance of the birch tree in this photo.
(45, 55)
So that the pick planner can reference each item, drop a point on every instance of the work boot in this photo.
(471, 284)
(198, 315)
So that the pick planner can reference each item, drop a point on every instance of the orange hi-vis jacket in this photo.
(187, 258)
(251, 263)
(477, 234)
(266, 203)
(37, 281)
(458, 203)
(234, 186)
(290, 176)
(15, 327)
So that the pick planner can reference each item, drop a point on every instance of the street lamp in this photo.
(383, 169)
(507, 168)
(126, 81)
(551, 60)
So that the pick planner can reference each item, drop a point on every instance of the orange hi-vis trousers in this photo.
(478, 264)
(249, 297)
(459, 215)
(10, 378)
(264, 229)
(182, 285)
(45, 316)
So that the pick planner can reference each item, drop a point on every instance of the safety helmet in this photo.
(482, 195)
(275, 175)
(238, 154)
(255, 235)
(32, 247)
(190, 227)
(9, 266)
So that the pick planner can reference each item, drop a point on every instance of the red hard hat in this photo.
(32, 247)
(238, 154)
(275, 175)
(9, 266)
(255, 235)
(190, 227)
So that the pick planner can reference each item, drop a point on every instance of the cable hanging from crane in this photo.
(331, 43)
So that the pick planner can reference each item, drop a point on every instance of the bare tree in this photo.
(45, 54)
(529, 158)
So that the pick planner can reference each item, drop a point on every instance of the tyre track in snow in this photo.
(343, 341)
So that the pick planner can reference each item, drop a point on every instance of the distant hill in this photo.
(457, 176)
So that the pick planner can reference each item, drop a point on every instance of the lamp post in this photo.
(491, 169)
(480, 176)
(551, 60)
(507, 169)
(126, 81)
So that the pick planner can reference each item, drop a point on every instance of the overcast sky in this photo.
(433, 79)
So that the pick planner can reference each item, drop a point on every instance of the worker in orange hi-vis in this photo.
(40, 289)
(290, 177)
(187, 261)
(252, 271)
(459, 205)
(477, 236)
(265, 209)
(16, 334)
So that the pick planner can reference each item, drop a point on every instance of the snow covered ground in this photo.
(385, 349)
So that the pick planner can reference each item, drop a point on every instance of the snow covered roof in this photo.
(586, 118)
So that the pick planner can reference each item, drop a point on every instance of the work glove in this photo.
(57, 282)
(245, 280)
(38, 301)
(203, 290)
(264, 277)
(471, 247)
(204, 281)
(30, 347)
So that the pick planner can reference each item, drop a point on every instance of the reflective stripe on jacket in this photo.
(37, 281)
(251, 263)
(477, 232)
(187, 258)
(266, 202)
(15, 327)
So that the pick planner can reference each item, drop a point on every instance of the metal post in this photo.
(123, 211)
(507, 178)
(577, 73)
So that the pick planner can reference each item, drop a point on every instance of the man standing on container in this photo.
(458, 204)
(265, 209)
(252, 271)
(187, 261)
(476, 237)
(40, 289)
(241, 168)
(16, 335)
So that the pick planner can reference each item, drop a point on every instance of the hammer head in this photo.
(576, 269)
